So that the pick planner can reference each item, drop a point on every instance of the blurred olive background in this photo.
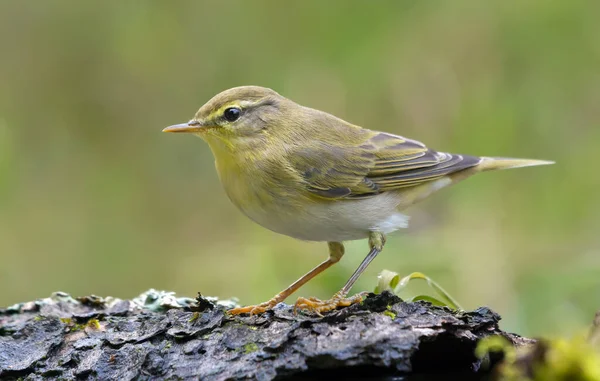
(95, 199)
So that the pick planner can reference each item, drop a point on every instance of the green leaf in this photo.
(430, 299)
(389, 280)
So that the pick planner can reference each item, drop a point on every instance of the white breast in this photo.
(342, 220)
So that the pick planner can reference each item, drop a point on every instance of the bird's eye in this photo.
(232, 114)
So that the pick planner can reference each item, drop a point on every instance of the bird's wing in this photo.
(379, 163)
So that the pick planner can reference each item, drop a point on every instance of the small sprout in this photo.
(93, 324)
(390, 281)
(429, 299)
(72, 326)
(194, 317)
(390, 314)
(387, 281)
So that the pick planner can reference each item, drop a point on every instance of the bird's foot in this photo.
(254, 310)
(318, 306)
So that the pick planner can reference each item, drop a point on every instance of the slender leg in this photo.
(376, 242)
(336, 251)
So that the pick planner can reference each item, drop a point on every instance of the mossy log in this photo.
(159, 337)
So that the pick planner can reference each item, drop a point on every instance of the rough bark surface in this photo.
(148, 338)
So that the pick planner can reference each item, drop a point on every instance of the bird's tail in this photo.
(493, 163)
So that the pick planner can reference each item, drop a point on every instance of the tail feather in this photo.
(493, 163)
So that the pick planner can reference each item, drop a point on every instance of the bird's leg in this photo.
(336, 251)
(376, 242)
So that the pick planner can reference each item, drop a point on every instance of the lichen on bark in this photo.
(159, 336)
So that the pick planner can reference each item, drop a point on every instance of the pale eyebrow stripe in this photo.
(247, 103)
(241, 104)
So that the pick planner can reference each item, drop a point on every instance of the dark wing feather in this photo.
(382, 162)
(333, 172)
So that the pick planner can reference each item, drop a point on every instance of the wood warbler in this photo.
(312, 176)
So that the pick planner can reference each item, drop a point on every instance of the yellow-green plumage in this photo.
(309, 175)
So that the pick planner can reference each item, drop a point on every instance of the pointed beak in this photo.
(191, 126)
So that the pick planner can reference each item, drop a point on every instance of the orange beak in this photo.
(191, 126)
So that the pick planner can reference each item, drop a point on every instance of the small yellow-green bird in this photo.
(312, 176)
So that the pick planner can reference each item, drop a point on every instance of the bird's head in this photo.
(237, 115)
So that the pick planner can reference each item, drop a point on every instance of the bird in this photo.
(307, 174)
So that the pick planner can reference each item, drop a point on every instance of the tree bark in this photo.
(157, 336)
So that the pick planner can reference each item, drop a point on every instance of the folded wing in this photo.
(381, 162)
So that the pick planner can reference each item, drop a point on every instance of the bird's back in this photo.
(337, 160)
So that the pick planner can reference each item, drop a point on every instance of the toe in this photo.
(257, 310)
(252, 310)
(318, 307)
(240, 310)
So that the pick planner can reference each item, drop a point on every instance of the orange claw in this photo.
(317, 306)
(247, 310)
(253, 310)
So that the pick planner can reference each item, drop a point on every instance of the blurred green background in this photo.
(95, 199)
